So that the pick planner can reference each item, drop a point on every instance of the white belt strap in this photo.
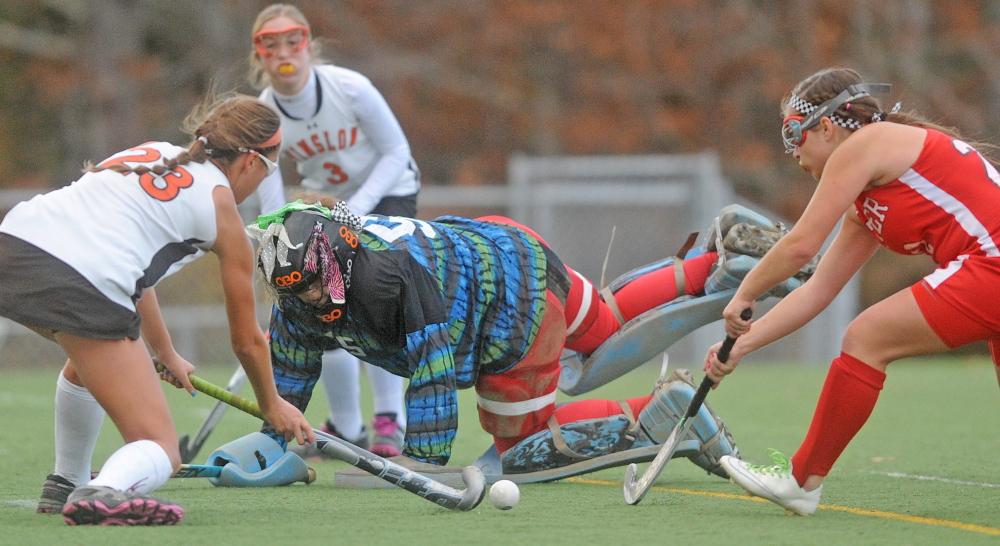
(516, 408)
(584, 305)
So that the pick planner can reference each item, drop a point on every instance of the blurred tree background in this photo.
(473, 82)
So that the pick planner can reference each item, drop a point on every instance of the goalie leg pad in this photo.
(706, 441)
(585, 439)
(256, 460)
(589, 439)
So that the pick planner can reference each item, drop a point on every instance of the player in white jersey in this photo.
(79, 265)
(345, 141)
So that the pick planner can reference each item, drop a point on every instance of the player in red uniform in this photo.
(916, 188)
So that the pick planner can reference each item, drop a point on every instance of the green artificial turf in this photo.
(922, 471)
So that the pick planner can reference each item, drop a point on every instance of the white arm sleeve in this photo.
(271, 193)
(378, 121)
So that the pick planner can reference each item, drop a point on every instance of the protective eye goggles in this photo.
(793, 128)
(271, 165)
(269, 42)
(792, 133)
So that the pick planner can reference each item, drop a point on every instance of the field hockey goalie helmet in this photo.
(301, 245)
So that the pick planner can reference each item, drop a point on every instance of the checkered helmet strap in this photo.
(814, 113)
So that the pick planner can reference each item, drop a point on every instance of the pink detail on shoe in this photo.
(385, 427)
(134, 512)
(386, 450)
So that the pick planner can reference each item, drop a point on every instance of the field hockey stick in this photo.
(214, 471)
(635, 489)
(418, 484)
(190, 451)
(198, 471)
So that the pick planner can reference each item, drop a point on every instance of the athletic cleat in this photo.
(739, 230)
(54, 493)
(750, 240)
(310, 453)
(99, 505)
(388, 440)
(774, 483)
(753, 240)
(732, 215)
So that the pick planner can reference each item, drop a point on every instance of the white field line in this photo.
(933, 479)
(24, 503)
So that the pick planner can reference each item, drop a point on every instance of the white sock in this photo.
(141, 466)
(387, 392)
(340, 384)
(78, 424)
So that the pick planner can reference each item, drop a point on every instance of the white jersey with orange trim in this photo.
(352, 146)
(124, 233)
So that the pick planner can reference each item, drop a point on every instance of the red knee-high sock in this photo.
(847, 400)
(659, 286)
(595, 409)
(591, 321)
(578, 411)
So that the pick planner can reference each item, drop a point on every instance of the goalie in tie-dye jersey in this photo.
(452, 304)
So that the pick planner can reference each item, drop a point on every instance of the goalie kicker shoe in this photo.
(774, 483)
(708, 439)
(591, 439)
(54, 493)
(99, 505)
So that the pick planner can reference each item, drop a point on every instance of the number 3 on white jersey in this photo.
(406, 226)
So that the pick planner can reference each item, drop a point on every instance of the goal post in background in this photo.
(653, 202)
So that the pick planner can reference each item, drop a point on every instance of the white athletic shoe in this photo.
(774, 483)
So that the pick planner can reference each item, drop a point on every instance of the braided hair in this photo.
(221, 124)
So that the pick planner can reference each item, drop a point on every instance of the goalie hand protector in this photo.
(256, 460)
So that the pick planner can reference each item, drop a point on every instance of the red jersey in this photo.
(946, 205)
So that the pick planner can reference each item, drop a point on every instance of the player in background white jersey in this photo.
(344, 140)
(79, 265)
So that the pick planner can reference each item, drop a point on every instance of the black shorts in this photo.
(392, 205)
(39, 290)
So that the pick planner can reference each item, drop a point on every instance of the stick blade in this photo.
(475, 488)
(635, 489)
(628, 487)
(186, 454)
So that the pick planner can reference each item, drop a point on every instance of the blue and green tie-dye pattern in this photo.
(493, 279)
(296, 358)
(432, 397)
(489, 282)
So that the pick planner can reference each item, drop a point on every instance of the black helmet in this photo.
(302, 244)
(290, 276)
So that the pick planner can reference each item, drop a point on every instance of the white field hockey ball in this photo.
(504, 494)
